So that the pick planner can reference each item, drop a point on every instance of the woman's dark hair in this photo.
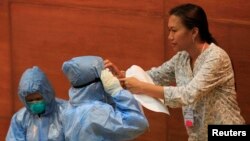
(194, 16)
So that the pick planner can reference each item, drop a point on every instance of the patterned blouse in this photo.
(208, 89)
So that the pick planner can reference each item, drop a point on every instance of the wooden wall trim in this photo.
(97, 5)
(230, 21)
(97, 9)
(5, 73)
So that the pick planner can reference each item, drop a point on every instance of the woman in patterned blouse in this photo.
(202, 71)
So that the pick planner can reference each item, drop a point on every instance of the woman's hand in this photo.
(139, 87)
(133, 85)
(114, 69)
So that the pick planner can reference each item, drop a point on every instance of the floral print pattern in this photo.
(209, 89)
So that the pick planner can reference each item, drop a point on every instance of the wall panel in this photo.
(53, 37)
(4, 127)
(6, 99)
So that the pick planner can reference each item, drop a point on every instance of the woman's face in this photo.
(33, 97)
(179, 36)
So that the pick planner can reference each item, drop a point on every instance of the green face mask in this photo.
(37, 107)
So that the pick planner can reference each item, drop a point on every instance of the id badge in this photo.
(189, 117)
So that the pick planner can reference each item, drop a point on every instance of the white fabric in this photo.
(110, 83)
(148, 102)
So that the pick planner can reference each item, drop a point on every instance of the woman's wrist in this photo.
(121, 74)
(144, 87)
(152, 90)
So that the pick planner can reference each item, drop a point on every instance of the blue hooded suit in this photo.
(26, 126)
(92, 114)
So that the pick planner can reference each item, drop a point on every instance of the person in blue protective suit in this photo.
(40, 119)
(90, 115)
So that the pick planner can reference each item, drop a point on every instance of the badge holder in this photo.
(189, 117)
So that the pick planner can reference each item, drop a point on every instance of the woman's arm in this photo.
(140, 87)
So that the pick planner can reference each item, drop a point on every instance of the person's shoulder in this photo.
(21, 114)
(62, 104)
(93, 109)
(100, 109)
(61, 101)
(217, 51)
(180, 55)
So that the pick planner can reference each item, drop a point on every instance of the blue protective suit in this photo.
(89, 115)
(26, 126)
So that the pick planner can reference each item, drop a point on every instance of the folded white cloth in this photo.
(148, 102)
